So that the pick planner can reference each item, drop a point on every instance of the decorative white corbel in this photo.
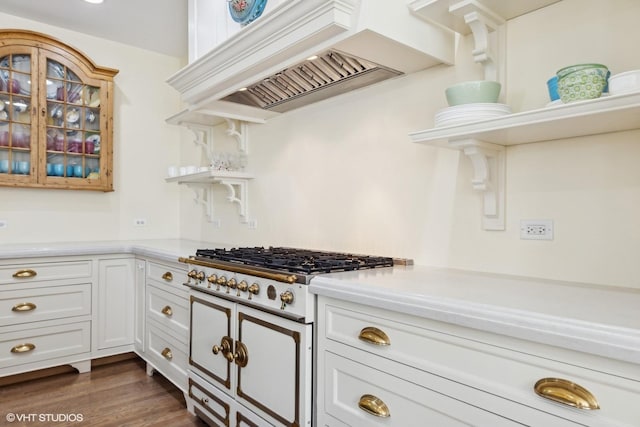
(489, 167)
(242, 135)
(488, 33)
(238, 193)
(203, 139)
(204, 197)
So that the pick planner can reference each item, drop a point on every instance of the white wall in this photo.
(143, 147)
(343, 175)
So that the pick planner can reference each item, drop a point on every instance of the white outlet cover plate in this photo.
(546, 225)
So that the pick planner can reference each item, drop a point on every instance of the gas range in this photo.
(272, 278)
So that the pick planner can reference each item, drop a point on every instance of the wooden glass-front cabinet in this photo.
(56, 115)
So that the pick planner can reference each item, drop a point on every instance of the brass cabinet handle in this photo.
(24, 274)
(167, 354)
(566, 392)
(374, 336)
(167, 276)
(25, 306)
(374, 406)
(23, 348)
(167, 311)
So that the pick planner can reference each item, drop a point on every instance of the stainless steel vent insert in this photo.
(312, 80)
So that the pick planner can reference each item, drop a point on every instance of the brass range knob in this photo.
(222, 281)
(254, 289)
(192, 275)
(287, 298)
(231, 284)
(196, 275)
(242, 287)
(213, 279)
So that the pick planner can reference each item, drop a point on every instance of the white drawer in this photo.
(504, 372)
(171, 276)
(44, 303)
(167, 355)
(38, 344)
(169, 310)
(350, 385)
(27, 272)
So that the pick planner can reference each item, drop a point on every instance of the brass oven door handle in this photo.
(374, 336)
(167, 311)
(374, 406)
(167, 354)
(241, 356)
(167, 276)
(24, 274)
(226, 344)
(23, 348)
(22, 307)
(566, 392)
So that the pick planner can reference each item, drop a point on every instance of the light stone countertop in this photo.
(162, 249)
(594, 319)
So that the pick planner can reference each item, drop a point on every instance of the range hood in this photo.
(304, 51)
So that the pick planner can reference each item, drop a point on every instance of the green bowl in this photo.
(577, 67)
(473, 92)
(582, 84)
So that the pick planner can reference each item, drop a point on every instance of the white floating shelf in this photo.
(602, 115)
(450, 13)
(208, 177)
(483, 141)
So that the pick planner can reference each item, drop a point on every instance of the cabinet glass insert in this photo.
(73, 124)
(15, 114)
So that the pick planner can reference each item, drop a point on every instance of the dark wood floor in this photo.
(116, 394)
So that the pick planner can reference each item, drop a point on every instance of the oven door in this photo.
(260, 360)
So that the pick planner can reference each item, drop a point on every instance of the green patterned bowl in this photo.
(582, 82)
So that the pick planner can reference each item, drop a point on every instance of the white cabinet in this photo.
(167, 322)
(430, 372)
(139, 306)
(45, 314)
(116, 296)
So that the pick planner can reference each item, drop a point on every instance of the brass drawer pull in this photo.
(167, 276)
(24, 274)
(23, 348)
(25, 306)
(167, 354)
(241, 356)
(374, 336)
(374, 406)
(566, 392)
(167, 311)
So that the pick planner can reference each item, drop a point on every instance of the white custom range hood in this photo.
(263, 69)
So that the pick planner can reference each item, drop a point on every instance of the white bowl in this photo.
(629, 81)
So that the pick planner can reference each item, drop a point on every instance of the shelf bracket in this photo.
(242, 135)
(238, 193)
(489, 167)
(203, 139)
(488, 34)
(204, 197)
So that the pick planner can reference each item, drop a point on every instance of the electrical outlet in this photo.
(253, 224)
(4, 223)
(140, 222)
(536, 229)
(216, 223)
